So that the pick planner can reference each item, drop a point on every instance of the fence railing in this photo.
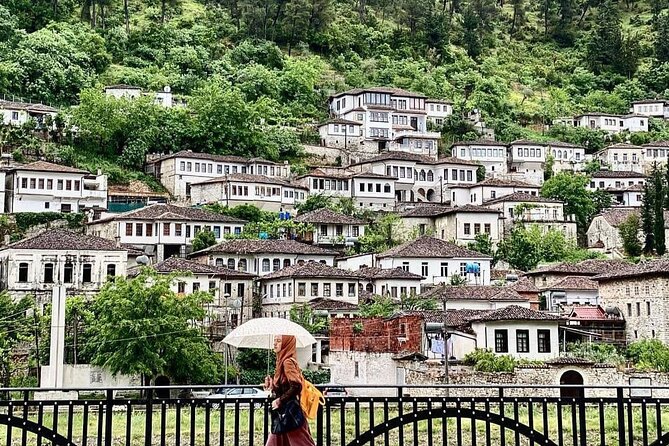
(407, 415)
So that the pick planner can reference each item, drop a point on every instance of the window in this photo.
(240, 290)
(196, 286)
(87, 276)
(49, 184)
(181, 287)
(544, 341)
(33, 183)
(351, 290)
(265, 265)
(177, 229)
(149, 229)
(326, 290)
(241, 265)
(47, 205)
(648, 308)
(187, 231)
(314, 289)
(60, 185)
(68, 185)
(231, 263)
(166, 228)
(469, 175)
(128, 229)
(501, 341)
(324, 230)
(405, 266)
(67, 272)
(468, 228)
(301, 289)
(638, 309)
(424, 269)
(339, 289)
(111, 270)
(523, 341)
(444, 269)
(24, 183)
(477, 228)
(276, 265)
(463, 269)
(139, 229)
(629, 309)
(356, 370)
(65, 208)
(486, 228)
(23, 272)
(48, 272)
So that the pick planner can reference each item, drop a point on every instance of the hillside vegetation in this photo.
(257, 73)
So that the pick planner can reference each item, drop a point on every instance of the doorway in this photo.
(571, 378)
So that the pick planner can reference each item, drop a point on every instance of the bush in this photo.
(484, 360)
(598, 353)
(649, 354)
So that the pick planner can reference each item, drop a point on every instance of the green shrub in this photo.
(484, 360)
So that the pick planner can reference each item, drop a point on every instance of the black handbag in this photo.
(287, 417)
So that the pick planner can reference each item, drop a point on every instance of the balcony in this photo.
(416, 134)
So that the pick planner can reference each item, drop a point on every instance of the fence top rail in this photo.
(348, 386)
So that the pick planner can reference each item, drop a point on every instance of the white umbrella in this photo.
(260, 332)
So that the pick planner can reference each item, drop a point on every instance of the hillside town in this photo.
(386, 217)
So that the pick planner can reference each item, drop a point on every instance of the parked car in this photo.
(332, 390)
(242, 393)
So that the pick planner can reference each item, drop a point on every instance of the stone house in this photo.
(301, 282)
(267, 193)
(331, 228)
(41, 186)
(526, 288)
(163, 230)
(640, 292)
(437, 260)
(592, 323)
(81, 263)
(625, 187)
(341, 133)
(603, 232)
(262, 257)
(232, 290)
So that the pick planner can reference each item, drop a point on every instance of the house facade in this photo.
(262, 257)
(81, 263)
(490, 154)
(164, 230)
(653, 108)
(393, 283)
(527, 160)
(612, 123)
(389, 118)
(163, 98)
(639, 292)
(625, 187)
(17, 113)
(232, 290)
(332, 228)
(341, 133)
(572, 290)
(46, 187)
(567, 157)
(437, 260)
(489, 189)
(603, 232)
(622, 157)
(301, 282)
(178, 171)
(655, 152)
(266, 193)
(546, 276)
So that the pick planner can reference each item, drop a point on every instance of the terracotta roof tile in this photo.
(474, 292)
(44, 166)
(372, 273)
(575, 283)
(174, 264)
(325, 215)
(211, 157)
(171, 212)
(524, 285)
(246, 178)
(245, 246)
(659, 267)
(517, 313)
(388, 90)
(438, 210)
(499, 182)
(322, 303)
(522, 197)
(617, 174)
(430, 247)
(587, 312)
(310, 269)
(479, 142)
(567, 360)
(62, 239)
(590, 267)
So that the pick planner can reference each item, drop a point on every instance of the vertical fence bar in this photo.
(371, 419)
(429, 421)
(24, 433)
(177, 423)
(128, 423)
(502, 430)
(544, 417)
(630, 422)
(386, 435)
(559, 422)
(487, 420)
(574, 429)
(192, 424)
(319, 426)
(473, 428)
(342, 424)
(530, 419)
(163, 421)
(356, 406)
(221, 423)
(644, 422)
(621, 416)
(400, 409)
(251, 425)
(581, 418)
(70, 421)
(444, 424)
(148, 427)
(236, 422)
(84, 428)
(658, 419)
(415, 421)
(10, 413)
(458, 422)
(100, 422)
(516, 419)
(328, 423)
(109, 406)
(602, 429)
(55, 419)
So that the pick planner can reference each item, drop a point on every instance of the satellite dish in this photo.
(236, 304)
(143, 260)
(167, 89)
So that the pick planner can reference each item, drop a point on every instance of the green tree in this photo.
(204, 239)
(571, 189)
(313, 202)
(379, 306)
(648, 218)
(381, 235)
(659, 198)
(483, 243)
(15, 328)
(629, 233)
(661, 27)
(605, 47)
(304, 316)
(142, 327)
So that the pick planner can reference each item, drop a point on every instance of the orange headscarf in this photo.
(288, 351)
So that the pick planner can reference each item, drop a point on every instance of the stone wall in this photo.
(377, 335)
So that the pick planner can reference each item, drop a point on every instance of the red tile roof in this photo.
(587, 312)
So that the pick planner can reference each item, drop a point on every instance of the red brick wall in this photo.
(378, 335)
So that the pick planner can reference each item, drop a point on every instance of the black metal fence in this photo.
(408, 415)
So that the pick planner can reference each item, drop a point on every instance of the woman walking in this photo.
(289, 425)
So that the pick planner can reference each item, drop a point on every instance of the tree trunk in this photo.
(276, 19)
(94, 21)
(102, 15)
(513, 21)
(126, 16)
(162, 6)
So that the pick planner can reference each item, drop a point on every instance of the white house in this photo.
(437, 111)
(390, 118)
(437, 260)
(261, 257)
(82, 263)
(178, 171)
(164, 230)
(302, 282)
(232, 290)
(547, 213)
(612, 123)
(329, 181)
(654, 108)
(18, 113)
(655, 152)
(119, 91)
(266, 193)
(622, 157)
(47, 187)
(527, 161)
(625, 187)
(519, 332)
(420, 178)
(572, 290)
(566, 156)
(488, 189)
(341, 133)
(394, 283)
(332, 228)
(490, 154)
